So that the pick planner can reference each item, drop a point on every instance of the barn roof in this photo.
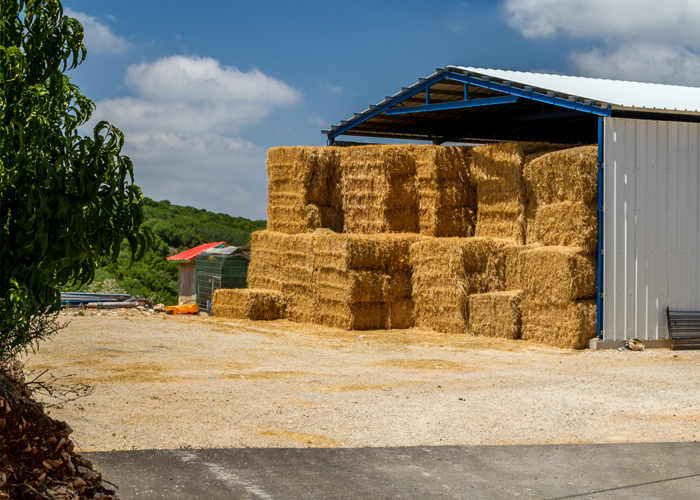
(192, 253)
(464, 104)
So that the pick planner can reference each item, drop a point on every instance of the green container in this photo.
(219, 271)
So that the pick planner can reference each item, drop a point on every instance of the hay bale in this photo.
(512, 264)
(557, 275)
(495, 314)
(569, 223)
(351, 286)
(502, 200)
(248, 303)
(567, 326)
(303, 189)
(446, 194)
(297, 277)
(445, 272)
(265, 270)
(378, 189)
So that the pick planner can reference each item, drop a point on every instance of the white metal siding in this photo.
(651, 225)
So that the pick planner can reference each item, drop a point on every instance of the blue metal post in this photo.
(599, 294)
(427, 96)
(466, 92)
(330, 142)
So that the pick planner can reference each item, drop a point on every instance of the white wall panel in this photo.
(651, 225)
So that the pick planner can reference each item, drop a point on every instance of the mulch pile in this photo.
(37, 460)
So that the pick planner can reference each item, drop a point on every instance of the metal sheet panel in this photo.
(651, 222)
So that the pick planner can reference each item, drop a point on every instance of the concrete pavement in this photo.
(606, 471)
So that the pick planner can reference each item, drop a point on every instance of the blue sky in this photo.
(201, 92)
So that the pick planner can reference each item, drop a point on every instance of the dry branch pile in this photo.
(446, 271)
(248, 303)
(378, 186)
(495, 314)
(37, 455)
(303, 189)
(446, 194)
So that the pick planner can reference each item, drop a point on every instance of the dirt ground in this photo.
(194, 382)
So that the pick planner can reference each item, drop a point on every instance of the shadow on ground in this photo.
(606, 471)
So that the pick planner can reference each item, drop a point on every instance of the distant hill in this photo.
(154, 277)
(186, 227)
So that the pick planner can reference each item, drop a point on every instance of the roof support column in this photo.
(599, 287)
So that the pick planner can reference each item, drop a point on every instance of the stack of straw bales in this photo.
(559, 286)
(446, 194)
(297, 277)
(501, 193)
(378, 186)
(563, 192)
(360, 281)
(246, 303)
(446, 271)
(303, 189)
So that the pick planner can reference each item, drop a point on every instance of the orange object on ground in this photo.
(186, 309)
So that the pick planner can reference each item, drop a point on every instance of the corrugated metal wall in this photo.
(651, 225)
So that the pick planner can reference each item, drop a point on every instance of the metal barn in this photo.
(187, 275)
(648, 138)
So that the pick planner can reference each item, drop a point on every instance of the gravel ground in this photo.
(164, 382)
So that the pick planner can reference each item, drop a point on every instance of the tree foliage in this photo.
(65, 200)
(186, 227)
(174, 226)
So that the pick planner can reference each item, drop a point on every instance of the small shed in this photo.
(187, 287)
(220, 268)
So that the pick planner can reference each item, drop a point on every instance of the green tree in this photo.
(65, 200)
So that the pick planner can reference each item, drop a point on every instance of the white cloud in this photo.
(98, 37)
(671, 21)
(181, 131)
(641, 40)
(642, 62)
(329, 87)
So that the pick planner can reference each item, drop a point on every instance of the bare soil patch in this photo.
(181, 382)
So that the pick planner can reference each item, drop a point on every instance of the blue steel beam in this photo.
(453, 105)
(375, 110)
(599, 295)
(506, 89)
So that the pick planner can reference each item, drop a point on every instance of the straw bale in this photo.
(446, 271)
(495, 314)
(351, 315)
(350, 286)
(299, 177)
(512, 264)
(388, 252)
(446, 194)
(265, 270)
(401, 314)
(557, 275)
(501, 192)
(378, 189)
(297, 277)
(248, 303)
(398, 286)
(569, 223)
(568, 175)
(567, 326)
